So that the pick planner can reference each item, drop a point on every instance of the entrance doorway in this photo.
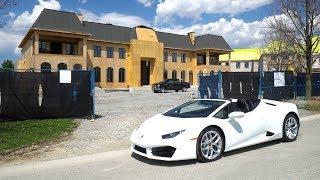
(190, 77)
(145, 73)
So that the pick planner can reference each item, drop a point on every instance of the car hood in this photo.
(160, 125)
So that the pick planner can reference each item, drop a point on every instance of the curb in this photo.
(310, 118)
(61, 163)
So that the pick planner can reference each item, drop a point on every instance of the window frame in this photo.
(110, 77)
(175, 72)
(42, 46)
(122, 53)
(183, 58)
(166, 56)
(246, 65)
(174, 57)
(96, 51)
(72, 50)
(108, 52)
(238, 65)
(122, 75)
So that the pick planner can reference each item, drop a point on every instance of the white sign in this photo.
(65, 76)
(279, 79)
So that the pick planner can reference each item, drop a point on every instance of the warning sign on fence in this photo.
(65, 76)
(279, 79)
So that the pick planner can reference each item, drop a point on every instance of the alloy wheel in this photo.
(211, 144)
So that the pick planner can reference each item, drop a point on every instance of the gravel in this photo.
(118, 114)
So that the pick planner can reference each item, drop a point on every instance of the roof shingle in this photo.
(59, 21)
(69, 22)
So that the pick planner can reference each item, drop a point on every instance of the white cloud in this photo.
(193, 9)
(237, 32)
(26, 19)
(17, 25)
(146, 3)
(114, 18)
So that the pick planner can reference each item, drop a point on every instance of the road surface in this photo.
(298, 160)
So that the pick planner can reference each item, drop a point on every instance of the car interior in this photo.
(243, 105)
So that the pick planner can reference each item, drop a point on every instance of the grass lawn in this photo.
(312, 105)
(18, 134)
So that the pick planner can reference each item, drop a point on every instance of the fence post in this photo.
(261, 83)
(92, 82)
(220, 87)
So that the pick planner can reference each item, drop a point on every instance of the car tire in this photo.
(290, 128)
(177, 90)
(162, 90)
(207, 149)
(184, 89)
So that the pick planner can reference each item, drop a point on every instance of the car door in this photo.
(170, 85)
(241, 130)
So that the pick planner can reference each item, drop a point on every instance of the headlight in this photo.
(172, 135)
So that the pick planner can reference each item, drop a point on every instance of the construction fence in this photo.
(46, 94)
(253, 85)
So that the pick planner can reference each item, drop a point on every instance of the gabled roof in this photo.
(210, 41)
(174, 40)
(59, 21)
(109, 32)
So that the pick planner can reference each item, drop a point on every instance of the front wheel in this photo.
(210, 145)
(290, 128)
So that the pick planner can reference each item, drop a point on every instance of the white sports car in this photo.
(204, 129)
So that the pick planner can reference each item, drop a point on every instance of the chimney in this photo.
(80, 17)
(192, 37)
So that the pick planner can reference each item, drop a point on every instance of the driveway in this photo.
(273, 160)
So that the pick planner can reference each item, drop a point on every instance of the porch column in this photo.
(207, 57)
(36, 43)
(84, 53)
(35, 50)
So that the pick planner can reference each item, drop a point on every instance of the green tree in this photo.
(297, 23)
(7, 64)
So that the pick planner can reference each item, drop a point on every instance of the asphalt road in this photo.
(273, 160)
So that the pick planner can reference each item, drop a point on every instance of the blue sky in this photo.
(241, 22)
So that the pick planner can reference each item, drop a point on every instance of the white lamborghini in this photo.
(204, 129)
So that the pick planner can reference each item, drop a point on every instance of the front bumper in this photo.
(165, 149)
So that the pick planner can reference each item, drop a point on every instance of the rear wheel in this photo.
(210, 145)
(177, 90)
(290, 128)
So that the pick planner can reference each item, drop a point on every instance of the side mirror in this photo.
(236, 114)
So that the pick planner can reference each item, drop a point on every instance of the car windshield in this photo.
(194, 109)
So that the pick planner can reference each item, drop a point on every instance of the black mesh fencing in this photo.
(253, 85)
(209, 86)
(40, 95)
(240, 85)
(285, 91)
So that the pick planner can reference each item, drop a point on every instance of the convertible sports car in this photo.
(204, 129)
